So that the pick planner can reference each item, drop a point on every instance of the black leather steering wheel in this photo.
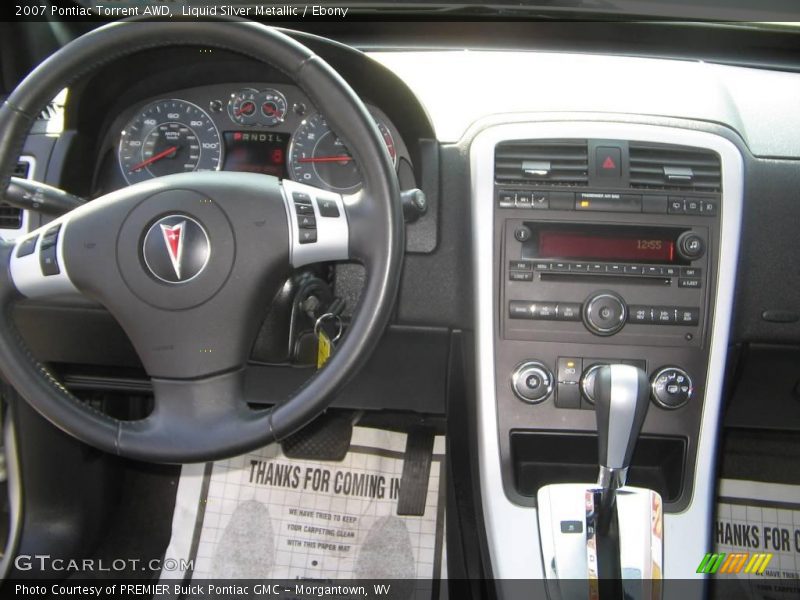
(193, 331)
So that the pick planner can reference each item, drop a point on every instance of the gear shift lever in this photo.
(621, 395)
(605, 540)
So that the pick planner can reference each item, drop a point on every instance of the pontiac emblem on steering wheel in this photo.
(176, 249)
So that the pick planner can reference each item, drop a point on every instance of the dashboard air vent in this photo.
(10, 216)
(542, 162)
(666, 167)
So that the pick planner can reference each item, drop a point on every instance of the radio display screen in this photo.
(555, 243)
(256, 152)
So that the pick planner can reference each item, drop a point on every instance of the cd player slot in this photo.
(607, 279)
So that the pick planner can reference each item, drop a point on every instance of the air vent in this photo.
(10, 216)
(665, 167)
(542, 162)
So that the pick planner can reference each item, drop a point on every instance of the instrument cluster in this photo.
(262, 128)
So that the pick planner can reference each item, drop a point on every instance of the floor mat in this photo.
(757, 540)
(266, 516)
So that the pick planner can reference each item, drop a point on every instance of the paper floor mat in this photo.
(756, 518)
(264, 516)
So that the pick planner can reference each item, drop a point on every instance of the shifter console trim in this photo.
(511, 529)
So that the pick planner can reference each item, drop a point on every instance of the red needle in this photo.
(154, 158)
(323, 159)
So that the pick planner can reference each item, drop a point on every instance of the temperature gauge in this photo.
(272, 106)
(243, 107)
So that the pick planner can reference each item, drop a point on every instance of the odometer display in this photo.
(168, 136)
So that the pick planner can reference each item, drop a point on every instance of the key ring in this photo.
(321, 320)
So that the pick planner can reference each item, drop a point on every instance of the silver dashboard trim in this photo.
(512, 530)
(13, 234)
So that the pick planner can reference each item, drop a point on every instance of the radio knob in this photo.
(532, 382)
(604, 313)
(671, 387)
(691, 246)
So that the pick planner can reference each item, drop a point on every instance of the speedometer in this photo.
(168, 136)
(318, 157)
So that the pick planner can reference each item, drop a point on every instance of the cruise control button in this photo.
(26, 247)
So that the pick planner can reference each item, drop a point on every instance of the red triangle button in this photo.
(608, 163)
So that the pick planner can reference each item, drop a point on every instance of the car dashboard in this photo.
(584, 208)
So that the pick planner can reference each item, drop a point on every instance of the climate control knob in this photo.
(532, 382)
(604, 313)
(671, 387)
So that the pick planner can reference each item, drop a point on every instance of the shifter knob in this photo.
(621, 397)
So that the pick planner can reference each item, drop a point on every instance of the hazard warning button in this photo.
(608, 162)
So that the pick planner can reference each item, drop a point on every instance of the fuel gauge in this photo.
(243, 107)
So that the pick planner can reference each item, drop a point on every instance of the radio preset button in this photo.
(633, 269)
(559, 266)
(604, 313)
(650, 270)
(615, 268)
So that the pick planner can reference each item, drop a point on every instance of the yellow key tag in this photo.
(323, 349)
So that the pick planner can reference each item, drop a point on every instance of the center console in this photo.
(600, 243)
(606, 253)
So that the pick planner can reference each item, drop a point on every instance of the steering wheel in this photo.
(186, 262)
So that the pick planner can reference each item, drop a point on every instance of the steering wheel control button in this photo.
(671, 387)
(308, 236)
(27, 246)
(301, 198)
(176, 249)
(48, 252)
(532, 382)
(691, 246)
(604, 313)
(306, 222)
(303, 209)
(327, 208)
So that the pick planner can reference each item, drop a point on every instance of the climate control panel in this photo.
(573, 384)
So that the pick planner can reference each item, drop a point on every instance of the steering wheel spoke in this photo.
(318, 227)
(37, 265)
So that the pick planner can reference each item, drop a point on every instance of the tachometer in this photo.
(318, 157)
(168, 136)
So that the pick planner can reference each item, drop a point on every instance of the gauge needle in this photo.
(323, 159)
(154, 158)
